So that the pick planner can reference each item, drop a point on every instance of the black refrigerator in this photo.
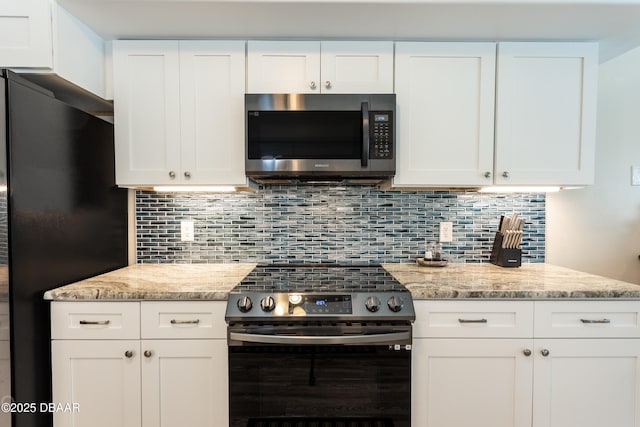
(62, 219)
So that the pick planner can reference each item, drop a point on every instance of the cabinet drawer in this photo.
(95, 320)
(189, 319)
(587, 319)
(473, 319)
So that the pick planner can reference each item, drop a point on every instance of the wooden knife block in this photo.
(505, 257)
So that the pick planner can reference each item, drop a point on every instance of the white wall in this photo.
(597, 229)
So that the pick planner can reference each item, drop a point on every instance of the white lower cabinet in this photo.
(471, 382)
(100, 378)
(587, 383)
(149, 382)
(551, 376)
(184, 383)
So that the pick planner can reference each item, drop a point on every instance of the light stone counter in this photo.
(455, 281)
(157, 282)
(533, 281)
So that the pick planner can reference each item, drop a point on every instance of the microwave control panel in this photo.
(381, 135)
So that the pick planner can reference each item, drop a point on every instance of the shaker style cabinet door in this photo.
(445, 113)
(283, 66)
(472, 382)
(102, 377)
(212, 112)
(146, 112)
(179, 112)
(586, 383)
(356, 67)
(546, 113)
(26, 34)
(184, 383)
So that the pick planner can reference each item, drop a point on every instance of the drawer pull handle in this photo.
(473, 320)
(589, 321)
(95, 322)
(185, 322)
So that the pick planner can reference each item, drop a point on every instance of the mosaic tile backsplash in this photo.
(292, 224)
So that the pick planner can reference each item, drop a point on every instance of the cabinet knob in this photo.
(312, 85)
(526, 352)
(487, 174)
(172, 174)
(327, 84)
(187, 174)
(505, 174)
(148, 353)
(128, 354)
(544, 352)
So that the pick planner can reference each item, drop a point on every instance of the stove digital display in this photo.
(319, 304)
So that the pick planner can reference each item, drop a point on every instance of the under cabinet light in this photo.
(498, 189)
(195, 189)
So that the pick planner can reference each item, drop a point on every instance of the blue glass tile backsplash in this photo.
(329, 224)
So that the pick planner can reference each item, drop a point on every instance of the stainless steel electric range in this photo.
(320, 345)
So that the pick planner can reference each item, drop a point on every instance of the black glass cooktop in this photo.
(319, 278)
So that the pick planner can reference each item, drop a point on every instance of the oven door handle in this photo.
(395, 337)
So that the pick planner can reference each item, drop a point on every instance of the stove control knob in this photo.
(244, 304)
(372, 304)
(268, 304)
(395, 304)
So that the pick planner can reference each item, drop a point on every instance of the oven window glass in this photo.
(282, 385)
(304, 134)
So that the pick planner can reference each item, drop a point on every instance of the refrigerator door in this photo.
(5, 344)
(67, 222)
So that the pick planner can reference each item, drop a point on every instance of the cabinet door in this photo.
(184, 383)
(587, 383)
(546, 113)
(445, 95)
(356, 67)
(25, 34)
(471, 382)
(146, 112)
(98, 377)
(212, 80)
(283, 67)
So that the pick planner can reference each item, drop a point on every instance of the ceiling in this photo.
(615, 24)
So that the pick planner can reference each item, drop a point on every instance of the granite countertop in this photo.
(455, 281)
(157, 282)
(488, 281)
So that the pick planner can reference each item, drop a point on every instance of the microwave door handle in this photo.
(364, 157)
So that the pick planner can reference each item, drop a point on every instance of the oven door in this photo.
(324, 381)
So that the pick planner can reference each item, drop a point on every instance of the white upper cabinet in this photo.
(40, 36)
(179, 112)
(283, 67)
(544, 98)
(25, 33)
(146, 112)
(212, 82)
(320, 67)
(356, 67)
(546, 113)
(445, 96)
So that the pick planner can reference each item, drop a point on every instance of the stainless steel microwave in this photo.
(320, 136)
